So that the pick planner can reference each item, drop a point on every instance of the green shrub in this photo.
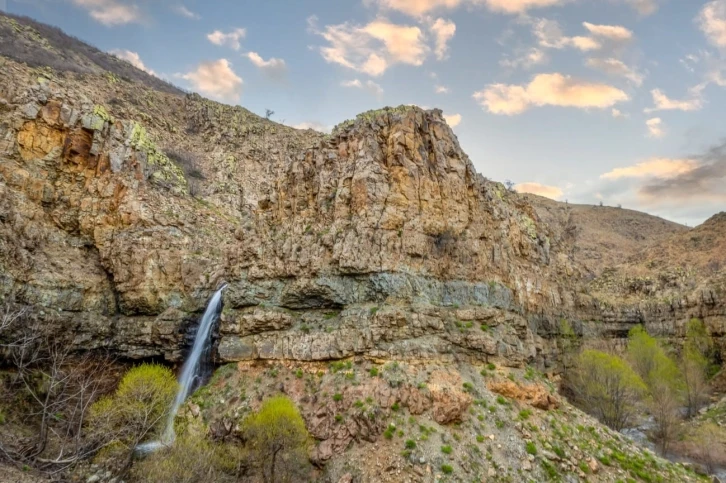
(374, 372)
(502, 400)
(277, 437)
(338, 418)
(337, 397)
(447, 469)
(531, 448)
(395, 406)
(299, 373)
(524, 414)
(491, 366)
(373, 311)
(137, 410)
(484, 327)
(479, 438)
(410, 444)
(446, 449)
(468, 387)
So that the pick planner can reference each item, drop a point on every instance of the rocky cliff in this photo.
(123, 206)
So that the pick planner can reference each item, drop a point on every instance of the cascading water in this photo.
(190, 371)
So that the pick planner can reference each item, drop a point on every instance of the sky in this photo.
(615, 101)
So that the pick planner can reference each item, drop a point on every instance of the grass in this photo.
(446, 449)
(531, 448)
(491, 366)
(502, 400)
(337, 397)
(447, 469)
(373, 372)
(410, 444)
(468, 387)
(395, 406)
(524, 414)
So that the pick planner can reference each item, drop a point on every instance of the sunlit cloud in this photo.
(616, 67)
(712, 21)
(132, 58)
(664, 103)
(656, 167)
(229, 39)
(185, 12)
(452, 120)
(548, 90)
(655, 127)
(368, 85)
(552, 192)
(216, 79)
(273, 67)
(443, 31)
(111, 12)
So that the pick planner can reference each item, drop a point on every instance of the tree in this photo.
(606, 386)
(509, 184)
(664, 381)
(695, 360)
(566, 345)
(708, 440)
(136, 411)
(277, 437)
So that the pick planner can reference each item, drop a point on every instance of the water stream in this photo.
(191, 371)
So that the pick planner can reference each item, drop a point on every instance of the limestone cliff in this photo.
(122, 207)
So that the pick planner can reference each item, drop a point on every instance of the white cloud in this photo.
(452, 120)
(526, 60)
(612, 32)
(185, 12)
(712, 21)
(217, 80)
(548, 90)
(443, 31)
(273, 67)
(615, 67)
(132, 58)
(552, 192)
(655, 127)
(521, 6)
(442, 90)
(655, 167)
(111, 12)
(417, 8)
(550, 35)
(369, 86)
(314, 125)
(663, 103)
(617, 113)
(230, 39)
(372, 48)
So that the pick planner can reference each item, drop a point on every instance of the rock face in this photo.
(122, 208)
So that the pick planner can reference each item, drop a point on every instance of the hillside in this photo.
(603, 236)
(373, 276)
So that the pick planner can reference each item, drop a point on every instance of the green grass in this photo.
(446, 449)
(410, 444)
(491, 366)
(524, 414)
(447, 469)
(395, 406)
(373, 372)
(337, 397)
(531, 448)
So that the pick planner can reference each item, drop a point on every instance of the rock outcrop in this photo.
(123, 207)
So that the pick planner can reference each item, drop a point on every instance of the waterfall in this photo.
(190, 371)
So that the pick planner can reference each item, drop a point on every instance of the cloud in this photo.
(550, 35)
(185, 12)
(552, 192)
(615, 67)
(526, 60)
(443, 31)
(132, 58)
(369, 86)
(617, 113)
(217, 80)
(521, 6)
(442, 90)
(703, 181)
(372, 48)
(231, 39)
(655, 127)
(612, 32)
(643, 7)
(273, 67)
(314, 125)
(111, 12)
(655, 167)
(417, 8)
(548, 90)
(712, 21)
(452, 120)
(663, 103)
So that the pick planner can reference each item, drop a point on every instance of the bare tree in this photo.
(509, 184)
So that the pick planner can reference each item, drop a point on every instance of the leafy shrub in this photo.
(410, 444)
(446, 449)
(373, 372)
(395, 406)
(447, 469)
(337, 397)
(531, 448)
(277, 438)
(491, 366)
(524, 414)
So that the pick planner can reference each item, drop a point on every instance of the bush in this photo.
(374, 372)
(531, 448)
(337, 397)
(606, 386)
(446, 449)
(137, 411)
(191, 458)
(447, 469)
(277, 438)
(410, 444)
